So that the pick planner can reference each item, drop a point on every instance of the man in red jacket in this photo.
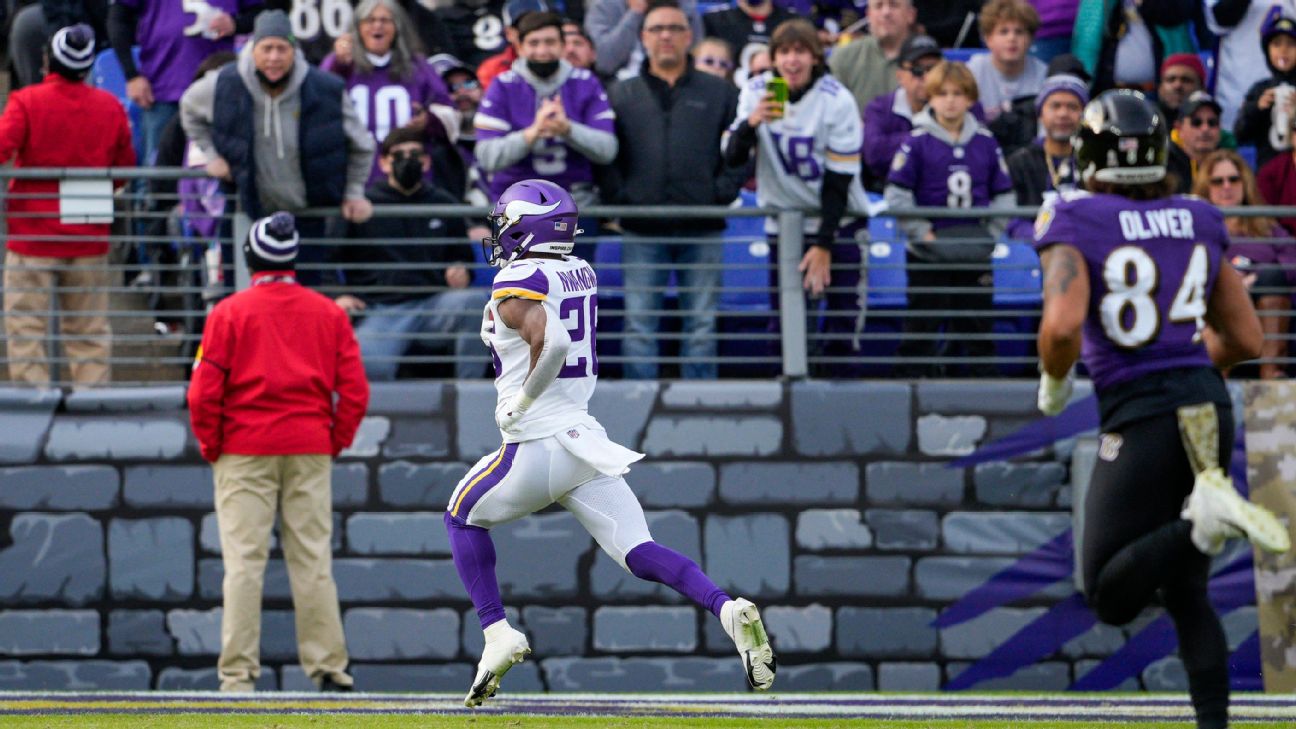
(60, 122)
(261, 402)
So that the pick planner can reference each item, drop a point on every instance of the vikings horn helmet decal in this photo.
(531, 216)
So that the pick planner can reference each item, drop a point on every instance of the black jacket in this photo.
(1253, 123)
(670, 148)
(738, 28)
(1179, 164)
(1030, 175)
(407, 266)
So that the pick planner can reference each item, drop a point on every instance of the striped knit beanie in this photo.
(272, 243)
(73, 49)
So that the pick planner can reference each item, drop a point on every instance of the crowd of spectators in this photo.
(669, 102)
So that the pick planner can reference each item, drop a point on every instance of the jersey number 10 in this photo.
(580, 317)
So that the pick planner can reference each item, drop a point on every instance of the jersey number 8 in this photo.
(1132, 278)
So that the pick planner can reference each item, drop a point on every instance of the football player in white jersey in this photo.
(540, 327)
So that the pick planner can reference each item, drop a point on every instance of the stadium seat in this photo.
(962, 55)
(107, 74)
(1016, 275)
(887, 278)
(1248, 154)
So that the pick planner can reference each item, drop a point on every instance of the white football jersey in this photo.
(820, 131)
(568, 290)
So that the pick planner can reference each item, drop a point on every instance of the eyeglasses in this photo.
(713, 62)
(921, 71)
(470, 83)
(664, 29)
(1227, 179)
(377, 21)
(1197, 121)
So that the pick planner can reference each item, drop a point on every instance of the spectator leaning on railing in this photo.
(670, 120)
(285, 133)
(949, 160)
(1268, 266)
(544, 119)
(60, 122)
(807, 158)
(277, 393)
(413, 287)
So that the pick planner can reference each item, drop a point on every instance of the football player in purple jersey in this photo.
(1136, 287)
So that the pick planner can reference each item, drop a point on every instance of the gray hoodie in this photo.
(278, 160)
(898, 197)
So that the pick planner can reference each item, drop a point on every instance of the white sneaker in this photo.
(1218, 513)
(742, 621)
(504, 648)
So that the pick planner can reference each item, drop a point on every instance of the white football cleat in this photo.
(504, 648)
(742, 621)
(1218, 513)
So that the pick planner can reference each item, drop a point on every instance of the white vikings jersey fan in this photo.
(820, 131)
(568, 289)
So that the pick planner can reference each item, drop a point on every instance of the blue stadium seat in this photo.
(1016, 275)
(962, 55)
(107, 74)
(1248, 154)
(887, 278)
(746, 260)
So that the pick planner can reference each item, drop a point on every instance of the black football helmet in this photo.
(1122, 139)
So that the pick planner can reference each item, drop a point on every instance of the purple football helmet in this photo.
(531, 216)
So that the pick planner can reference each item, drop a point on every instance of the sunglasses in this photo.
(713, 62)
(921, 71)
(469, 84)
(1227, 179)
(1197, 121)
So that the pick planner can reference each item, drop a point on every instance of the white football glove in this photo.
(516, 409)
(487, 326)
(1054, 394)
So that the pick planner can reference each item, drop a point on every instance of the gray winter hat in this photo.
(272, 24)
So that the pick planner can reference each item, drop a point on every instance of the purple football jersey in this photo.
(171, 42)
(385, 103)
(510, 106)
(941, 175)
(1152, 267)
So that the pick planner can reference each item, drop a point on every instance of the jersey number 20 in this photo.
(1132, 280)
(579, 316)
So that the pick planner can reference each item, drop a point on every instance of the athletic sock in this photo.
(474, 559)
(1209, 690)
(653, 562)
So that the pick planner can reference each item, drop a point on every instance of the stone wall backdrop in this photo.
(829, 504)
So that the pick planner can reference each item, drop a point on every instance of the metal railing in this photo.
(885, 313)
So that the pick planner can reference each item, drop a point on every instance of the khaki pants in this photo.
(28, 281)
(248, 488)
